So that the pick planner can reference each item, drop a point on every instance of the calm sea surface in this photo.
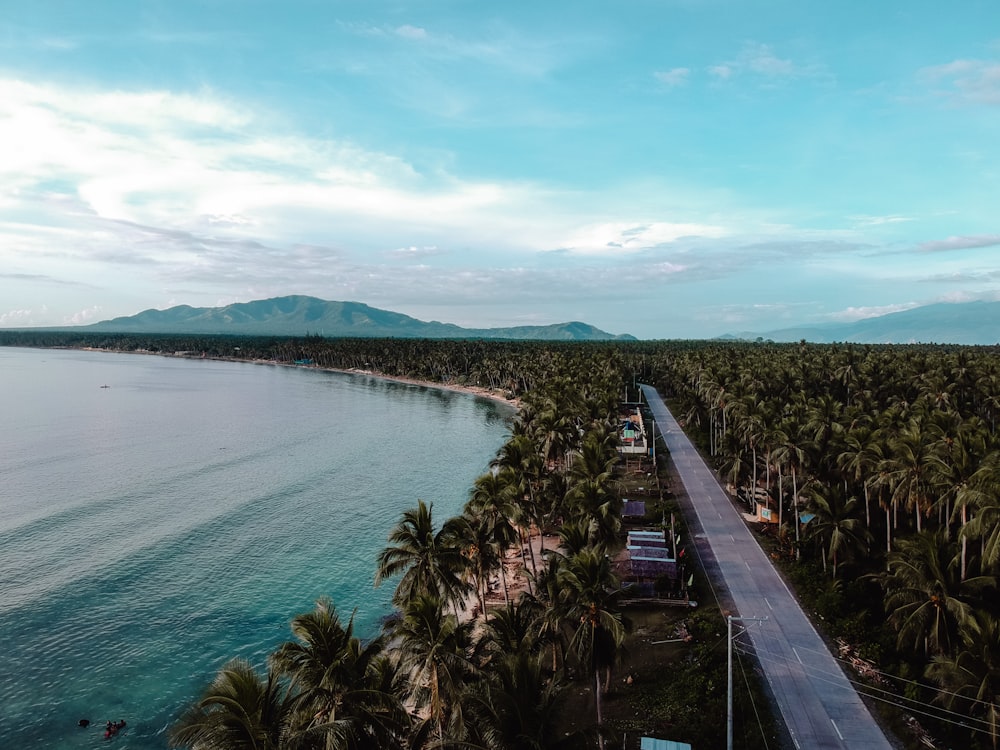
(153, 529)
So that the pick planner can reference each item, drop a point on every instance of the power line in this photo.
(934, 712)
(896, 678)
(746, 681)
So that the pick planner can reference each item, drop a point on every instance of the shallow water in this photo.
(153, 529)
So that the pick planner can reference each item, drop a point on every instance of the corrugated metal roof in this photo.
(651, 743)
(634, 508)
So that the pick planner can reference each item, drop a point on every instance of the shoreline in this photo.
(471, 390)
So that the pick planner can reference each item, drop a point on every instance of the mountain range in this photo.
(298, 315)
(975, 323)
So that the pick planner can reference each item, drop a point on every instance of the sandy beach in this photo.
(517, 571)
(470, 389)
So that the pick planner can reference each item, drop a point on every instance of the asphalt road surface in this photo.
(819, 705)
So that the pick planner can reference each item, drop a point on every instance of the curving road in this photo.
(818, 704)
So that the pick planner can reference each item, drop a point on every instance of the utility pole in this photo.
(729, 715)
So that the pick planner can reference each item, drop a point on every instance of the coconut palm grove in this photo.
(876, 467)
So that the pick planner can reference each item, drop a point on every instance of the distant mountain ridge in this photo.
(970, 323)
(297, 315)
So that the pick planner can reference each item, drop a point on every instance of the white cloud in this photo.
(673, 77)
(873, 221)
(411, 32)
(83, 317)
(183, 160)
(15, 318)
(666, 268)
(761, 61)
(852, 314)
(174, 188)
(616, 238)
(497, 46)
(967, 81)
(413, 253)
(760, 58)
(960, 243)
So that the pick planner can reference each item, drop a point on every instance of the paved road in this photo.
(819, 705)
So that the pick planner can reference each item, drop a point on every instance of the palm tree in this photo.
(548, 601)
(338, 683)
(788, 452)
(596, 459)
(835, 525)
(513, 629)
(429, 561)
(491, 501)
(575, 536)
(523, 469)
(953, 472)
(518, 708)
(588, 591)
(752, 418)
(598, 504)
(240, 710)
(969, 681)
(433, 652)
(906, 470)
(983, 497)
(859, 460)
(927, 602)
(483, 555)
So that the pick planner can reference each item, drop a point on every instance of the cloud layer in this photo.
(651, 173)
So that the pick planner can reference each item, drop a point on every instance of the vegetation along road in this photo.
(817, 702)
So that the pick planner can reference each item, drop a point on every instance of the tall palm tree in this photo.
(596, 459)
(575, 536)
(835, 525)
(549, 602)
(483, 554)
(492, 502)
(521, 464)
(513, 629)
(906, 470)
(429, 561)
(789, 453)
(588, 592)
(969, 680)
(957, 460)
(517, 707)
(927, 602)
(340, 698)
(597, 504)
(433, 650)
(859, 460)
(240, 710)
(983, 497)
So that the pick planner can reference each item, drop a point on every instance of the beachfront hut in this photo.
(645, 566)
(646, 539)
(650, 558)
(632, 433)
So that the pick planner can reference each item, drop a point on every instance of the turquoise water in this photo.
(153, 529)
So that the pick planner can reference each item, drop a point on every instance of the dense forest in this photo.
(880, 466)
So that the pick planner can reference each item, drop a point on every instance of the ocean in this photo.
(159, 516)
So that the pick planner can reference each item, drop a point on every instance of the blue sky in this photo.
(670, 168)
